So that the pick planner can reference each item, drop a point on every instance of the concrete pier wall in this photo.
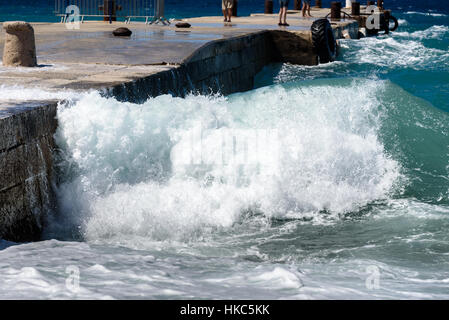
(224, 66)
(26, 168)
(229, 65)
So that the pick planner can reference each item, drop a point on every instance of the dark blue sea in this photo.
(42, 10)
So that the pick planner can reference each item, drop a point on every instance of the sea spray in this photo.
(124, 181)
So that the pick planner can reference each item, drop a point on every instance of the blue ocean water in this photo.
(360, 192)
(42, 10)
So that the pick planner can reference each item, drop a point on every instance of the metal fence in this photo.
(150, 10)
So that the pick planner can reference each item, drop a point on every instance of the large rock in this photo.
(122, 32)
(20, 47)
(183, 25)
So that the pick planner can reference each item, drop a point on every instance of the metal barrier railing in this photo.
(150, 10)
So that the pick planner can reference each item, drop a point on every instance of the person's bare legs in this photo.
(304, 6)
(229, 14)
(225, 15)
(308, 10)
(283, 16)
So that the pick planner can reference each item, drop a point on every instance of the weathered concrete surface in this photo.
(209, 57)
(226, 66)
(93, 58)
(26, 145)
(293, 47)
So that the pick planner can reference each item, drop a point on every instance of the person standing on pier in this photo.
(226, 6)
(306, 7)
(283, 4)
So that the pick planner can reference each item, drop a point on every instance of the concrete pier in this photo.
(208, 57)
(92, 57)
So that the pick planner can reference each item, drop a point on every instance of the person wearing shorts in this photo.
(306, 7)
(283, 4)
(226, 6)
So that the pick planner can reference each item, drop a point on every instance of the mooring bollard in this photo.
(318, 4)
(335, 10)
(268, 6)
(20, 46)
(355, 9)
(297, 5)
(234, 8)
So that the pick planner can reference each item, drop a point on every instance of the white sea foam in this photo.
(278, 277)
(38, 270)
(20, 93)
(402, 50)
(434, 32)
(125, 181)
(403, 22)
(432, 14)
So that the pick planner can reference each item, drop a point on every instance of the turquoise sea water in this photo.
(348, 197)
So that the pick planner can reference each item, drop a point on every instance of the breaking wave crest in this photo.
(142, 170)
